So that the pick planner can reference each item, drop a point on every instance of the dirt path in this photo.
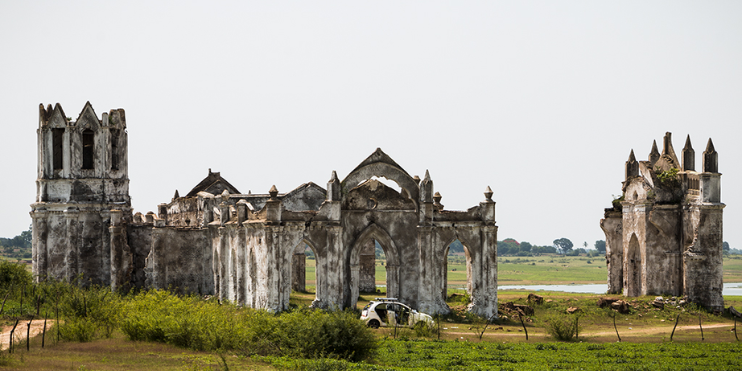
(37, 326)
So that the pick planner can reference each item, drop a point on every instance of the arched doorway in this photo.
(306, 270)
(457, 286)
(633, 268)
(372, 236)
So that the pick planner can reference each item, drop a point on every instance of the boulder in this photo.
(621, 306)
(573, 310)
(606, 302)
(536, 299)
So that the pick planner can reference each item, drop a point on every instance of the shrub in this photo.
(13, 274)
(561, 327)
(87, 313)
(193, 323)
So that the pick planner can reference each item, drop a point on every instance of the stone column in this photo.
(367, 271)
(71, 259)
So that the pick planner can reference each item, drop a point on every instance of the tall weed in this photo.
(562, 327)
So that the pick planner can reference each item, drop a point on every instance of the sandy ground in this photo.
(37, 327)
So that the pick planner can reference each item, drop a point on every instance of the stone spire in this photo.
(654, 155)
(632, 166)
(176, 195)
(426, 188)
(710, 159)
(689, 156)
(333, 187)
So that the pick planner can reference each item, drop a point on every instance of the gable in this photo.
(214, 184)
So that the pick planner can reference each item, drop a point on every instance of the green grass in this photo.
(462, 355)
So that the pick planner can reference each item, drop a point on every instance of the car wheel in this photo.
(373, 323)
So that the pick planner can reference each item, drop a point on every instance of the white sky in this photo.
(540, 100)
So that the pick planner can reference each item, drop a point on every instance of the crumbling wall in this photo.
(670, 227)
(181, 260)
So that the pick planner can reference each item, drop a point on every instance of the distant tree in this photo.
(725, 246)
(580, 251)
(525, 246)
(543, 250)
(584, 244)
(563, 244)
(508, 246)
(600, 246)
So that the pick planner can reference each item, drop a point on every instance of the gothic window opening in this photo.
(57, 135)
(114, 149)
(87, 149)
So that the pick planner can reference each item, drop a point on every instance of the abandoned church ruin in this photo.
(664, 235)
(249, 248)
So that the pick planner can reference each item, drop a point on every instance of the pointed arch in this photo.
(373, 231)
(468, 260)
(633, 259)
(379, 164)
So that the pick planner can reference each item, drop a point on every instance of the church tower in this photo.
(82, 177)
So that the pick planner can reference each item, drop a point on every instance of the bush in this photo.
(14, 274)
(193, 323)
(87, 313)
(563, 328)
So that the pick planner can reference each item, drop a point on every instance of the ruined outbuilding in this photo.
(664, 234)
(249, 248)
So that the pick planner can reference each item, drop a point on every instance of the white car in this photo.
(390, 312)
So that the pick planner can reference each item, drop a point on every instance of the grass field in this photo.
(539, 270)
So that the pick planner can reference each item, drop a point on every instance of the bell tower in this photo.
(82, 176)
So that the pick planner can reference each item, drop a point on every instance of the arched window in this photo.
(57, 135)
(87, 149)
(114, 149)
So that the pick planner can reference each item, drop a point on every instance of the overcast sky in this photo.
(542, 101)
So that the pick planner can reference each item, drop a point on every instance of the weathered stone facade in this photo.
(247, 247)
(664, 235)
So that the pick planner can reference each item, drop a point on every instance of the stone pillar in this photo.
(71, 259)
(121, 257)
(298, 272)
(367, 272)
(612, 226)
(39, 245)
(426, 290)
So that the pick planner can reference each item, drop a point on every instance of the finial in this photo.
(710, 159)
(632, 167)
(437, 201)
(667, 144)
(209, 171)
(416, 179)
(688, 155)
(427, 176)
(334, 177)
(177, 195)
(654, 155)
(225, 195)
(273, 192)
(488, 193)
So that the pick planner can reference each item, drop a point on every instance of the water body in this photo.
(733, 288)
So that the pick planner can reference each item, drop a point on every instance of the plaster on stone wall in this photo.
(665, 235)
(243, 247)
